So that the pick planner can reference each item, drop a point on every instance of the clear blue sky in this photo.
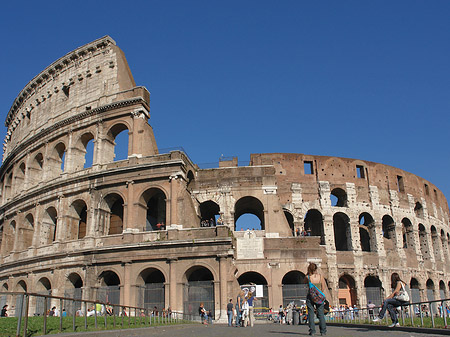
(357, 79)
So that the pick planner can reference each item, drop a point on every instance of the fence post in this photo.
(74, 314)
(85, 315)
(25, 323)
(45, 315)
(129, 317)
(431, 314)
(411, 313)
(105, 314)
(60, 314)
(444, 311)
(95, 314)
(19, 321)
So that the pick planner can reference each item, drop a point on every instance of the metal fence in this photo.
(415, 314)
(77, 310)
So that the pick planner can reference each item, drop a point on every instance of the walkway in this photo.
(259, 330)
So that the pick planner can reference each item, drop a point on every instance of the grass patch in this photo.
(8, 325)
(439, 322)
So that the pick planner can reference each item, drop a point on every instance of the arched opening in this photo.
(89, 152)
(26, 233)
(314, 224)
(73, 289)
(338, 197)
(19, 178)
(117, 146)
(199, 288)
(424, 242)
(388, 228)
(347, 290)
(48, 227)
(290, 221)
(209, 213)
(35, 169)
(436, 244)
(407, 233)
(418, 210)
(367, 232)
(10, 237)
(155, 200)
(151, 288)
(444, 245)
(252, 278)
(77, 221)
(109, 290)
(372, 285)
(415, 290)
(3, 297)
(57, 159)
(190, 180)
(342, 233)
(430, 294)
(294, 288)
(249, 206)
(442, 290)
(114, 209)
(21, 287)
(43, 287)
(8, 186)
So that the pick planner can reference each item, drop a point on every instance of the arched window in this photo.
(152, 292)
(209, 213)
(314, 224)
(155, 211)
(82, 154)
(26, 233)
(425, 250)
(418, 210)
(290, 221)
(73, 289)
(436, 243)
(347, 290)
(407, 233)
(338, 197)
(252, 211)
(372, 284)
(251, 278)
(114, 208)
(77, 220)
(294, 288)
(116, 148)
(342, 232)
(48, 227)
(415, 290)
(43, 287)
(35, 170)
(109, 290)
(198, 288)
(367, 232)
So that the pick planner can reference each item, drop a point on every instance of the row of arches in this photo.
(65, 155)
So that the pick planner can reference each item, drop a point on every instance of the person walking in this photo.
(314, 278)
(251, 299)
(239, 303)
(230, 312)
(398, 298)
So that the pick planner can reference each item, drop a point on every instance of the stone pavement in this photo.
(259, 330)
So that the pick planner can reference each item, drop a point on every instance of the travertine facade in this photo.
(94, 232)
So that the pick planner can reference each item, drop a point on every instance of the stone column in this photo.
(172, 262)
(37, 226)
(125, 294)
(223, 270)
(129, 220)
(61, 209)
(172, 202)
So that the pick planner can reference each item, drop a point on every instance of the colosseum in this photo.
(154, 229)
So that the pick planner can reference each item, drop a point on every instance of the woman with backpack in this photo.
(315, 300)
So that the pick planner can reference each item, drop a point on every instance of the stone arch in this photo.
(407, 233)
(73, 288)
(339, 197)
(4, 297)
(199, 288)
(56, 161)
(436, 242)
(209, 211)
(77, 220)
(26, 232)
(43, 287)
(290, 220)
(19, 177)
(314, 223)
(430, 293)
(36, 169)
(110, 153)
(190, 180)
(414, 287)
(342, 232)
(21, 287)
(249, 205)
(255, 278)
(8, 193)
(154, 201)
(347, 290)
(48, 226)
(294, 287)
(112, 209)
(444, 245)
(82, 154)
(373, 286)
(109, 289)
(367, 233)
(9, 237)
(389, 235)
(151, 285)
(425, 250)
(442, 290)
(418, 210)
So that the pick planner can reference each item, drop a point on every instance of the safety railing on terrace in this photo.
(100, 316)
(427, 314)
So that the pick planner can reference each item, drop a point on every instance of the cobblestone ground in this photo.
(259, 330)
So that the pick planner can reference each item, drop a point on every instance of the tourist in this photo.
(230, 312)
(317, 280)
(202, 313)
(371, 306)
(251, 300)
(239, 302)
(391, 302)
(4, 312)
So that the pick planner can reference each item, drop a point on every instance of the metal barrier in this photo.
(415, 314)
(141, 316)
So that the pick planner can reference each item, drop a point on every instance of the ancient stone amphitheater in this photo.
(76, 222)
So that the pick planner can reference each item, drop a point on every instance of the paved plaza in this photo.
(259, 330)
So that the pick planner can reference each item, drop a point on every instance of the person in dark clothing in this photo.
(4, 312)
(230, 312)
